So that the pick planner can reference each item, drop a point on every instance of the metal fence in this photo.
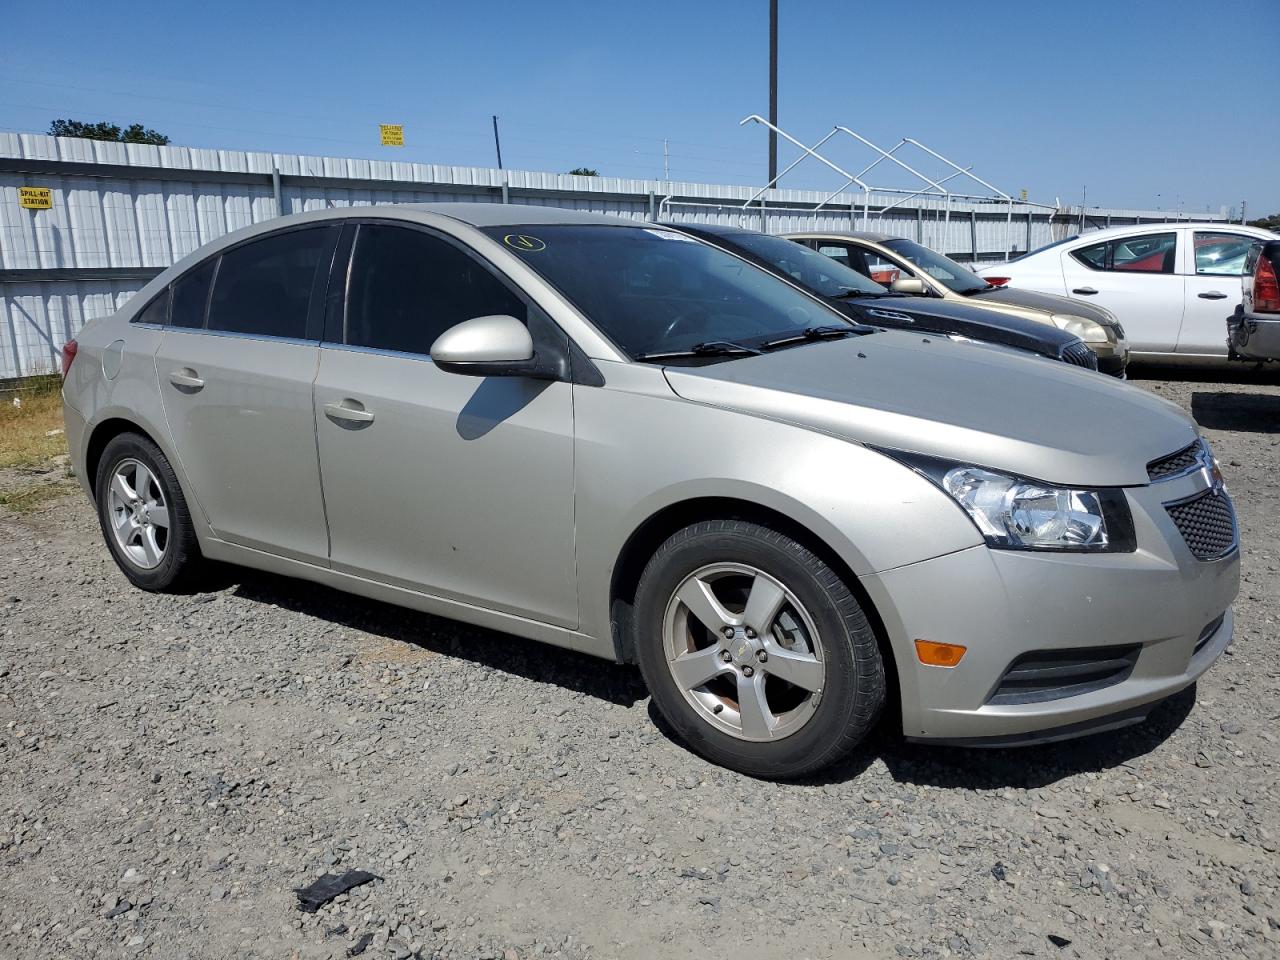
(121, 213)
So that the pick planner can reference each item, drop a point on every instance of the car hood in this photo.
(1048, 302)
(936, 315)
(966, 402)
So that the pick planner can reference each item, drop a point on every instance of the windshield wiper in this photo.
(708, 348)
(970, 291)
(824, 332)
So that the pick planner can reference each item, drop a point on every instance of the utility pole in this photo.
(773, 89)
(497, 144)
(1243, 206)
(666, 159)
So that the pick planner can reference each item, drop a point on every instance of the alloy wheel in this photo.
(139, 514)
(744, 651)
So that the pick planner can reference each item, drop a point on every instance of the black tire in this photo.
(853, 690)
(181, 562)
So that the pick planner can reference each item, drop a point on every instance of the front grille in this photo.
(1207, 523)
(1079, 354)
(1207, 633)
(1174, 463)
(1053, 674)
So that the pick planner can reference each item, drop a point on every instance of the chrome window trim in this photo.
(206, 332)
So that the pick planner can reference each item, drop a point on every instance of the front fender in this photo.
(874, 513)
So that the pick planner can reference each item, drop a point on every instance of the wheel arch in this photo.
(655, 529)
(102, 434)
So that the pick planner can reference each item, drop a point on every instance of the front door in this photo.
(1134, 277)
(1214, 263)
(237, 391)
(458, 486)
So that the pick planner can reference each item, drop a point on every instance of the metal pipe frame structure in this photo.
(932, 188)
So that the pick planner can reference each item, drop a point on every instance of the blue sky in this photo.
(1144, 102)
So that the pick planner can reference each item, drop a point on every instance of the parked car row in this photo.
(792, 496)
(1170, 285)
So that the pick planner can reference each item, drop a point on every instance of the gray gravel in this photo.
(171, 767)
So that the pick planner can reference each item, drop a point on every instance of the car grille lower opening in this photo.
(1174, 463)
(1207, 633)
(1053, 674)
(1207, 524)
(1079, 354)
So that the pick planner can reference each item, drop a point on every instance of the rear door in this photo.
(1213, 263)
(457, 486)
(1135, 277)
(236, 368)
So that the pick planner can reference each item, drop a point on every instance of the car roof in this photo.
(873, 236)
(715, 229)
(1218, 226)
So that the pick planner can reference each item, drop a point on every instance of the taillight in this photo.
(998, 281)
(68, 354)
(1266, 289)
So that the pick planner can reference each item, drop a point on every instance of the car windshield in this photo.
(657, 292)
(943, 269)
(806, 266)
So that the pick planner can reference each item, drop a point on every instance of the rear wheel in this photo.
(755, 650)
(144, 515)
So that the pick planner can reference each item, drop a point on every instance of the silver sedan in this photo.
(608, 436)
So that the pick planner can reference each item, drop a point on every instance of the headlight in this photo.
(1015, 513)
(1086, 330)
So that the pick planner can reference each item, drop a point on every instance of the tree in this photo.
(584, 172)
(1267, 223)
(104, 130)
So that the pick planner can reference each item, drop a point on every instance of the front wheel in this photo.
(755, 650)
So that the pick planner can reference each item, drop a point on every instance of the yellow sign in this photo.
(35, 198)
(1024, 193)
(392, 134)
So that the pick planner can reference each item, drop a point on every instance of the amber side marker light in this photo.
(934, 654)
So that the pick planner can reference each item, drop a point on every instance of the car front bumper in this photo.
(1113, 356)
(1159, 605)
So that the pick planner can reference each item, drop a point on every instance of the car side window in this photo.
(156, 311)
(837, 253)
(408, 287)
(263, 288)
(191, 296)
(1148, 253)
(1222, 254)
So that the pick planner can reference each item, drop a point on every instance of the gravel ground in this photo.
(171, 767)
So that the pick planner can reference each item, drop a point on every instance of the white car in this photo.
(1170, 284)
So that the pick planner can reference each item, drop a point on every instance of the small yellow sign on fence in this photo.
(35, 198)
(392, 134)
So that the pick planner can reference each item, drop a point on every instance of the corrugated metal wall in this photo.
(122, 211)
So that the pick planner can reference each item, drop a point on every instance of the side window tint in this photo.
(408, 287)
(1094, 256)
(191, 296)
(1222, 254)
(263, 288)
(838, 254)
(1152, 253)
(154, 312)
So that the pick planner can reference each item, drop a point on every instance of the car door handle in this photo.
(1212, 295)
(1086, 291)
(185, 378)
(348, 412)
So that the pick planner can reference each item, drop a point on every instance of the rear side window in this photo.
(154, 312)
(1149, 253)
(1222, 254)
(263, 288)
(408, 287)
(191, 296)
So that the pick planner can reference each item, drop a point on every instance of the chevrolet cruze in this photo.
(608, 436)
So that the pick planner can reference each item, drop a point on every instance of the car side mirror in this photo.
(493, 346)
(911, 285)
